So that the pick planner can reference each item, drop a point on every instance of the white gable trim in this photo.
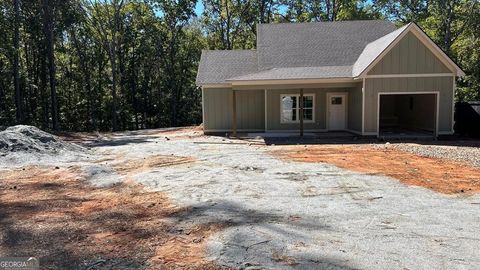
(425, 39)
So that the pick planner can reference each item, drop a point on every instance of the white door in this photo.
(336, 105)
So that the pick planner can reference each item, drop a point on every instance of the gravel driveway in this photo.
(288, 215)
(457, 151)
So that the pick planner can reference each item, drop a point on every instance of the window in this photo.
(290, 108)
(336, 100)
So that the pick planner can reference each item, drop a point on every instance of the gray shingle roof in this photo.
(374, 49)
(216, 66)
(316, 44)
(298, 51)
(298, 73)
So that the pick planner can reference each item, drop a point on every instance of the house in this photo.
(365, 77)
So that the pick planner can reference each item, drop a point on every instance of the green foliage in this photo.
(136, 60)
(156, 47)
(454, 25)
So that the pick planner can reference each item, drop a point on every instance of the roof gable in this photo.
(409, 56)
(375, 51)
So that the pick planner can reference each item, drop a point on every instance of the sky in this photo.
(199, 8)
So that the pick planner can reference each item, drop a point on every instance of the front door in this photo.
(336, 109)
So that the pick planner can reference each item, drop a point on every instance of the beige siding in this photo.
(273, 110)
(444, 85)
(355, 108)
(218, 109)
(251, 108)
(409, 56)
(354, 104)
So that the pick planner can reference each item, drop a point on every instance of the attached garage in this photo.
(408, 114)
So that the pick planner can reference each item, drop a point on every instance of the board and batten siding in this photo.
(273, 109)
(409, 56)
(218, 109)
(443, 85)
(355, 108)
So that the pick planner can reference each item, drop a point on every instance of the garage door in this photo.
(408, 114)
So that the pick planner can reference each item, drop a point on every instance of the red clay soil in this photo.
(55, 215)
(440, 175)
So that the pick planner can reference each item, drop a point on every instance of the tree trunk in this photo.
(48, 13)
(227, 30)
(28, 96)
(2, 98)
(145, 97)
(101, 65)
(16, 68)
(173, 104)
(447, 27)
(134, 82)
(173, 80)
(88, 82)
(113, 62)
(43, 91)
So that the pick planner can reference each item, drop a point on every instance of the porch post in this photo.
(301, 112)
(234, 113)
(266, 111)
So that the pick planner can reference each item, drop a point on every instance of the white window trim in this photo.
(282, 121)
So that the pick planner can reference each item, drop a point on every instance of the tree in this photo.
(228, 24)
(48, 16)
(105, 19)
(330, 10)
(404, 11)
(452, 24)
(16, 69)
(176, 15)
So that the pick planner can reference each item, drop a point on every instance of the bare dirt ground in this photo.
(56, 215)
(175, 199)
(438, 174)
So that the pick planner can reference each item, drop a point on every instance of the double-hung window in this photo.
(290, 108)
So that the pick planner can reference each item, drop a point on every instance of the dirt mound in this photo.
(30, 139)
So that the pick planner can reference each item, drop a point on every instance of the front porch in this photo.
(284, 111)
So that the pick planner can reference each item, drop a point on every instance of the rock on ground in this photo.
(31, 139)
(27, 145)
(460, 151)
